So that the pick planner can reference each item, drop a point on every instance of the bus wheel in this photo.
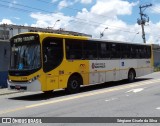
(131, 76)
(73, 85)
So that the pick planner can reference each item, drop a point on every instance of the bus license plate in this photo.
(17, 87)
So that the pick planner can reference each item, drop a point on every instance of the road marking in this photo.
(135, 90)
(112, 99)
(102, 91)
(158, 108)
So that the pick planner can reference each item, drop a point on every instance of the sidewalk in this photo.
(5, 91)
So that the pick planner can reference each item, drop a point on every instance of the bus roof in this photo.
(57, 35)
(79, 37)
(111, 41)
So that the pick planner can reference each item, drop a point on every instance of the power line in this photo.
(155, 8)
(77, 19)
(15, 8)
(99, 23)
(21, 5)
(75, 9)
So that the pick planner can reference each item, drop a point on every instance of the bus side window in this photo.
(123, 51)
(104, 50)
(141, 52)
(115, 50)
(73, 49)
(90, 50)
(133, 51)
(137, 52)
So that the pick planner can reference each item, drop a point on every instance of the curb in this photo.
(5, 91)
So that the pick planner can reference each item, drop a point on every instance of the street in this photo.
(114, 99)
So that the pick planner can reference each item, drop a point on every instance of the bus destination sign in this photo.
(24, 39)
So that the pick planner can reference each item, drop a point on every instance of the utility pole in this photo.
(143, 19)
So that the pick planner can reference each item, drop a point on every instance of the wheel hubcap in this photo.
(74, 84)
(131, 76)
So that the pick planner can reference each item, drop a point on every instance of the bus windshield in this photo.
(25, 57)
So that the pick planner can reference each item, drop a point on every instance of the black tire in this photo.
(131, 76)
(73, 84)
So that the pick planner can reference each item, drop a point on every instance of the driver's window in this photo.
(52, 53)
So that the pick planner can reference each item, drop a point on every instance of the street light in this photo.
(135, 36)
(102, 33)
(55, 23)
(11, 29)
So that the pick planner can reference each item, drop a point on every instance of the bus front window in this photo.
(25, 57)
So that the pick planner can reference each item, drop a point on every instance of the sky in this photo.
(117, 19)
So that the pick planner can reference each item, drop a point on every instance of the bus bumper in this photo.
(24, 86)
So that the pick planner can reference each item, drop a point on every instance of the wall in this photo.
(156, 54)
(4, 62)
(156, 58)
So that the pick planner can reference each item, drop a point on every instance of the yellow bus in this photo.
(48, 61)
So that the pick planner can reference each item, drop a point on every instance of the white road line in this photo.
(112, 99)
(135, 90)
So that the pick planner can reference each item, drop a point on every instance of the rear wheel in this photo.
(131, 76)
(73, 85)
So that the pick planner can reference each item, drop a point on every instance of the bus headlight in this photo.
(34, 78)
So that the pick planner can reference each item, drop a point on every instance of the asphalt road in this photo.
(114, 99)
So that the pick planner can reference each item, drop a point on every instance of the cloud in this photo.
(152, 31)
(48, 20)
(113, 7)
(65, 3)
(54, 1)
(156, 9)
(17, 18)
(86, 1)
(6, 21)
(104, 13)
(12, 3)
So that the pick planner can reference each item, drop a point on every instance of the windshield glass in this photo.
(25, 52)
(25, 57)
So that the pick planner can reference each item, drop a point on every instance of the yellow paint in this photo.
(52, 82)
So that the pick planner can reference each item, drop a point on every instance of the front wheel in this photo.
(131, 76)
(73, 85)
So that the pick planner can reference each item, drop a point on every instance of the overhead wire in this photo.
(78, 10)
(77, 19)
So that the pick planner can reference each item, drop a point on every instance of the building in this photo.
(156, 54)
(7, 31)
